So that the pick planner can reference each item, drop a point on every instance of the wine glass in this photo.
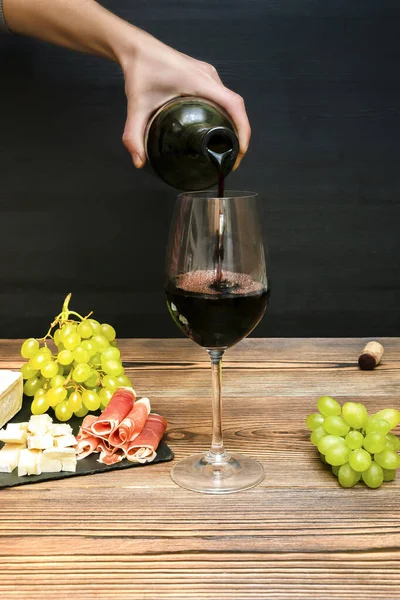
(217, 292)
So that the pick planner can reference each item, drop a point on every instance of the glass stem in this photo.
(217, 444)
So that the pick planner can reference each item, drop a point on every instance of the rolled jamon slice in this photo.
(85, 446)
(143, 448)
(120, 405)
(109, 455)
(132, 425)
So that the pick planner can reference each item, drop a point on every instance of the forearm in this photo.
(81, 25)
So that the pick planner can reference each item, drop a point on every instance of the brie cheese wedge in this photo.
(11, 385)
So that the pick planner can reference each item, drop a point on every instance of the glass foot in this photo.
(217, 474)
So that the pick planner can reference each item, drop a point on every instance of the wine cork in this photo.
(371, 356)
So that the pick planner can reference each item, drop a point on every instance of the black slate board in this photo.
(86, 466)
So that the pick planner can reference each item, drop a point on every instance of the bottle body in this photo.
(188, 140)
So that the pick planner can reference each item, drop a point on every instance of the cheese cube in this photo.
(9, 457)
(58, 429)
(40, 424)
(49, 465)
(68, 464)
(40, 442)
(29, 462)
(64, 441)
(60, 453)
(11, 385)
(13, 434)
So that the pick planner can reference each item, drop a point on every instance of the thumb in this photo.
(133, 137)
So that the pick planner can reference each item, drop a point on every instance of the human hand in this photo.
(154, 74)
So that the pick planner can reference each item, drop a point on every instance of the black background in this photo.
(321, 84)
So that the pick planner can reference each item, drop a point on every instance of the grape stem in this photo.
(63, 317)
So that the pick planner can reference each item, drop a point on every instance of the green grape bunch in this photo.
(358, 446)
(75, 368)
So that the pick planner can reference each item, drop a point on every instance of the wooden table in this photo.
(134, 534)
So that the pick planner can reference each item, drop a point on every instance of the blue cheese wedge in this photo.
(10, 394)
(29, 462)
(9, 457)
(40, 442)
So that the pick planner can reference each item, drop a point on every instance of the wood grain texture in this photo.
(135, 535)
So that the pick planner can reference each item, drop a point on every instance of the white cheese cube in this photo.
(11, 385)
(40, 442)
(29, 462)
(49, 465)
(60, 453)
(13, 435)
(58, 429)
(40, 424)
(65, 440)
(9, 457)
(68, 464)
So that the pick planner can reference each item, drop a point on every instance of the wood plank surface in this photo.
(135, 534)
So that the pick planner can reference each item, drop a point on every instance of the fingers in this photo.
(133, 136)
(234, 105)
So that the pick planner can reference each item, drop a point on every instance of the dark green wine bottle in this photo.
(188, 141)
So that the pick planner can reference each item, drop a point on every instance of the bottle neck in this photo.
(218, 144)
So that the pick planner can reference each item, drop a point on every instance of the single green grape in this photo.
(29, 348)
(49, 370)
(38, 361)
(112, 367)
(56, 337)
(355, 414)
(328, 406)
(93, 379)
(82, 412)
(360, 460)
(354, 439)
(81, 355)
(71, 341)
(66, 330)
(111, 353)
(95, 326)
(65, 357)
(338, 455)
(105, 397)
(373, 476)
(81, 373)
(57, 381)
(108, 331)
(45, 350)
(124, 381)
(347, 476)
(314, 420)
(387, 459)
(111, 383)
(95, 361)
(39, 405)
(335, 425)
(63, 412)
(32, 385)
(391, 415)
(85, 329)
(40, 393)
(91, 400)
(28, 372)
(75, 402)
(336, 469)
(374, 442)
(377, 425)
(56, 395)
(392, 441)
(101, 342)
(89, 346)
(328, 442)
(389, 474)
